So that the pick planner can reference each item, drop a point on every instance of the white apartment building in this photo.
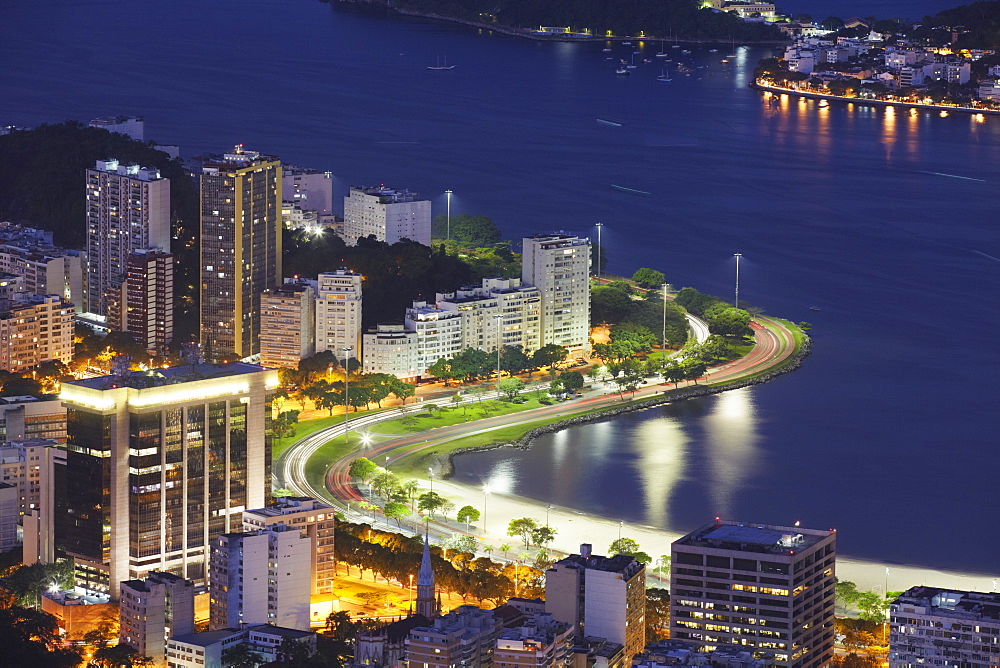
(952, 72)
(313, 519)
(540, 641)
(559, 266)
(438, 333)
(940, 627)
(132, 126)
(204, 650)
(989, 89)
(154, 610)
(338, 312)
(260, 577)
(466, 636)
(287, 324)
(45, 271)
(602, 597)
(35, 329)
(38, 467)
(29, 417)
(392, 349)
(390, 215)
(128, 209)
(518, 305)
(309, 190)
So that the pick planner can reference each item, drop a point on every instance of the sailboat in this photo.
(663, 76)
(439, 66)
(632, 65)
(662, 53)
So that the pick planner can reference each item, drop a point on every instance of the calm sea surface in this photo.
(884, 220)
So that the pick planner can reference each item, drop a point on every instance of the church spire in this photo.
(427, 604)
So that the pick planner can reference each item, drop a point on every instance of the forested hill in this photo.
(977, 25)
(659, 18)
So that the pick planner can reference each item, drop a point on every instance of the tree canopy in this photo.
(478, 231)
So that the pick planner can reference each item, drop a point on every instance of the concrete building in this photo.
(392, 349)
(35, 329)
(26, 465)
(465, 637)
(287, 324)
(951, 72)
(260, 577)
(204, 650)
(559, 266)
(769, 588)
(385, 646)
(9, 516)
(144, 302)
(388, 215)
(38, 468)
(32, 417)
(940, 627)
(44, 270)
(539, 642)
(518, 305)
(132, 126)
(313, 519)
(438, 333)
(163, 461)
(989, 89)
(128, 209)
(338, 312)
(154, 610)
(602, 597)
(78, 611)
(309, 189)
(240, 250)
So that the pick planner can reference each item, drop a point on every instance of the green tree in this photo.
(549, 355)
(628, 546)
(608, 305)
(571, 380)
(363, 468)
(657, 614)
(510, 387)
(846, 593)
(461, 542)
(430, 502)
(31, 638)
(396, 511)
(442, 369)
(649, 278)
(543, 535)
(832, 23)
(557, 388)
(522, 527)
(476, 231)
(467, 514)
(513, 359)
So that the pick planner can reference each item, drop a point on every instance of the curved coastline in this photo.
(778, 90)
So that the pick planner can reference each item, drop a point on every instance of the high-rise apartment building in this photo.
(338, 313)
(388, 215)
(438, 333)
(45, 270)
(287, 324)
(35, 329)
(603, 597)
(163, 461)
(518, 305)
(260, 577)
(38, 468)
(941, 627)
(144, 306)
(392, 349)
(9, 516)
(128, 208)
(770, 588)
(313, 519)
(559, 266)
(308, 189)
(466, 636)
(154, 610)
(240, 250)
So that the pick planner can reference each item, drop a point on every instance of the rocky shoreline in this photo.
(445, 468)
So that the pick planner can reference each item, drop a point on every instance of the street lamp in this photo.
(448, 234)
(486, 493)
(430, 474)
(737, 256)
(547, 509)
(499, 318)
(663, 340)
(347, 404)
(599, 226)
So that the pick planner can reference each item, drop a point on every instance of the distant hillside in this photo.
(660, 18)
(978, 24)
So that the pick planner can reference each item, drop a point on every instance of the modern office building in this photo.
(32, 417)
(388, 215)
(466, 636)
(559, 266)
(518, 305)
(602, 597)
(128, 208)
(313, 519)
(35, 329)
(438, 333)
(287, 324)
(163, 461)
(769, 588)
(144, 302)
(240, 250)
(154, 610)
(392, 349)
(942, 627)
(338, 313)
(260, 577)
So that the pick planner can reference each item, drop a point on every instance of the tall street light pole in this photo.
(486, 493)
(737, 256)
(663, 339)
(448, 193)
(599, 226)
(499, 318)
(347, 393)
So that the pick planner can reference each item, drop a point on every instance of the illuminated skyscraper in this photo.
(559, 266)
(240, 250)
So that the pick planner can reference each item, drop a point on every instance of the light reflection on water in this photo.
(731, 444)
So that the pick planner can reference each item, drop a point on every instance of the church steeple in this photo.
(427, 603)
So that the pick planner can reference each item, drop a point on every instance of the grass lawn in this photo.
(329, 452)
(306, 427)
(448, 415)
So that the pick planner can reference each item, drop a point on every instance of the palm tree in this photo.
(505, 548)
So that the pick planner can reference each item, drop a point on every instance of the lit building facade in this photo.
(45, 270)
(35, 329)
(152, 611)
(941, 627)
(602, 597)
(392, 349)
(762, 587)
(287, 315)
(518, 305)
(338, 313)
(466, 636)
(559, 266)
(438, 333)
(240, 250)
(388, 215)
(144, 306)
(163, 461)
(128, 208)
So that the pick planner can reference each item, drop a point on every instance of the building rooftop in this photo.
(951, 603)
(184, 373)
(205, 638)
(282, 631)
(749, 537)
(621, 563)
(386, 194)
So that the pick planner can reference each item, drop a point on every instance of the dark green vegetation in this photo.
(619, 305)
(662, 18)
(466, 230)
(722, 318)
(977, 25)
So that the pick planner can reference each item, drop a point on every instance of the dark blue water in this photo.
(885, 221)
